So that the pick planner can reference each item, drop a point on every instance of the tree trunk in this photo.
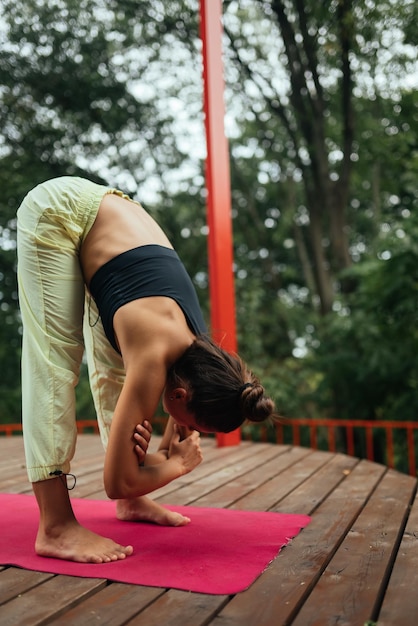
(321, 265)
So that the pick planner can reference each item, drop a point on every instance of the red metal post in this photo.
(411, 451)
(369, 443)
(389, 447)
(350, 440)
(221, 281)
(331, 439)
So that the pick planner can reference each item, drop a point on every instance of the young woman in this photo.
(97, 273)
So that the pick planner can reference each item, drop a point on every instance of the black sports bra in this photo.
(142, 272)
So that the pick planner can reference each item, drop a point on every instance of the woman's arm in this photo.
(183, 457)
(123, 476)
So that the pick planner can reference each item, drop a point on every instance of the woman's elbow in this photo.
(115, 493)
(119, 489)
(116, 488)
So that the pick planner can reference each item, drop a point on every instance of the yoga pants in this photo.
(60, 322)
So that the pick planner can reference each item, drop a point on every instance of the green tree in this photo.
(368, 358)
(323, 164)
(305, 68)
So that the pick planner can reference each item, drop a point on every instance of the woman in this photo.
(97, 273)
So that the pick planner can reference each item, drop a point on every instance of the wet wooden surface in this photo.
(356, 561)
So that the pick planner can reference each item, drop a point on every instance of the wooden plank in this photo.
(351, 587)
(115, 604)
(271, 492)
(12, 471)
(12, 450)
(400, 604)
(180, 607)
(16, 485)
(48, 600)
(15, 581)
(257, 474)
(307, 496)
(89, 451)
(11, 457)
(276, 597)
(12, 466)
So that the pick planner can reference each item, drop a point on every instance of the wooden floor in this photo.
(356, 561)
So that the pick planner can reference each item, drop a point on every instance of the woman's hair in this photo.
(223, 393)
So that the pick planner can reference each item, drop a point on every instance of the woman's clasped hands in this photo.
(186, 451)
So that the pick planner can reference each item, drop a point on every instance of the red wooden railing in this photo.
(352, 437)
(82, 426)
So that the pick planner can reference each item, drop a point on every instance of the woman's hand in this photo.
(186, 452)
(142, 436)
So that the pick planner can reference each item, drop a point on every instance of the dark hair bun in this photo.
(256, 406)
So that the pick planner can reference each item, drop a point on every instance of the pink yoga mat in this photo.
(220, 552)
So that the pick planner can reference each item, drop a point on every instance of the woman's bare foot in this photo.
(143, 509)
(73, 542)
(60, 536)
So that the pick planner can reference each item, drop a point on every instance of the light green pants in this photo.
(59, 322)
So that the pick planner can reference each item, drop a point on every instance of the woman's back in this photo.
(120, 225)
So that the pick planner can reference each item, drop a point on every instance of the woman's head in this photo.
(221, 393)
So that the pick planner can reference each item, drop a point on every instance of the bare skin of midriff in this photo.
(120, 225)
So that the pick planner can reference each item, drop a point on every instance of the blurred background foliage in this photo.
(322, 123)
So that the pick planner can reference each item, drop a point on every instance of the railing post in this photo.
(411, 451)
(389, 447)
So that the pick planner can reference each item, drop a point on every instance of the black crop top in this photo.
(142, 272)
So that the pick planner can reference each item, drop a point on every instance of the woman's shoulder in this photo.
(154, 325)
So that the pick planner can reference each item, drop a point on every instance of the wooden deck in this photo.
(356, 561)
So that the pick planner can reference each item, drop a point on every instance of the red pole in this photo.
(221, 280)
